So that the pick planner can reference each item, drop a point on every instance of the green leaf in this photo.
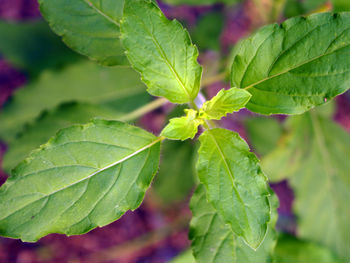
(200, 2)
(47, 125)
(185, 257)
(226, 101)
(235, 184)
(316, 157)
(175, 178)
(183, 128)
(341, 5)
(86, 176)
(291, 250)
(214, 242)
(162, 51)
(292, 67)
(263, 133)
(90, 27)
(84, 82)
(32, 46)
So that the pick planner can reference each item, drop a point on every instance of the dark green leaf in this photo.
(235, 184)
(90, 27)
(32, 46)
(292, 67)
(162, 51)
(86, 176)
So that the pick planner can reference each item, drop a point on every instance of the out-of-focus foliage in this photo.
(185, 257)
(117, 88)
(315, 157)
(291, 250)
(206, 34)
(175, 178)
(263, 133)
(297, 7)
(33, 47)
(48, 124)
(341, 5)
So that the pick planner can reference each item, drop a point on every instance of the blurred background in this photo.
(44, 86)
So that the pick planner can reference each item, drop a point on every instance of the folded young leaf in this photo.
(316, 159)
(236, 186)
(226, 101)
(84, 82)
(86, 176)
(90, 27)
(183, 128)
(292, 67)
(214, 242)
(162, 51)
(292, 250)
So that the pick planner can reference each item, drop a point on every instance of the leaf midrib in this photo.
(91, 175)
(293, 68)
(110, 19)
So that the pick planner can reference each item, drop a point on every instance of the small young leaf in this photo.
(226, 101)
(86, 176)
(90, 27)
(291, 250)
(214, 242)
(315, 157)
(84, 82)
(292, 67)
(236, 186)
(183, 128)
(162, 51)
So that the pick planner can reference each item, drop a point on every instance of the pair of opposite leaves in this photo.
(25, 208)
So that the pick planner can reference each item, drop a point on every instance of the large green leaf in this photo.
(84, 82)
(47, 125)
(214, 242)
(32, 46)
(292, 67)
(316, 157)
(90, 27)
(235, 184)
(162, 51)
(86, 176)
(291, 250)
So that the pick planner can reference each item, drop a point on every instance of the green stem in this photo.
(144, 109)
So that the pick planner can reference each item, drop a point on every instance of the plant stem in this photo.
(144, 109)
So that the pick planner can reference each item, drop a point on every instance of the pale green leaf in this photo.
(86, 176)
(316, 157)
(175, 178)
(90, 27)
(291, 250)
(292, 67)
(32, 46)
(185, 257)
(214, 242)
(235, 184)
(183, 128)
(40, 131)
(162, 51)
(84, 82)
(226, 101)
